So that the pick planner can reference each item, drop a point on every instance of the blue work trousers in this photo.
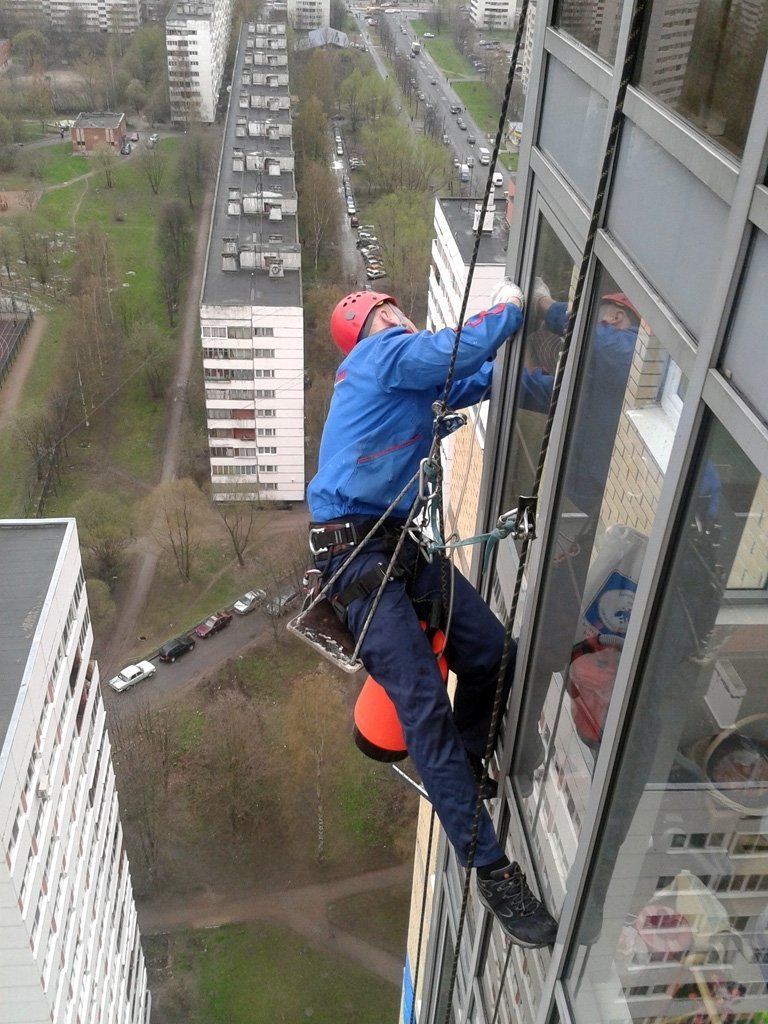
(397, 653)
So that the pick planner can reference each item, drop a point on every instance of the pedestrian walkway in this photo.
(303, 910)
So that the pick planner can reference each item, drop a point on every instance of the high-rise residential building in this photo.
(251, 315)
(306, 15)
(493, 14)
(76, 15)
(455, 224)
(632, 759)
(196, 40)
(69, 942)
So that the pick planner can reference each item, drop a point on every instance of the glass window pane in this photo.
(694, 763)
(540, 348)
(704, 60)
(671, 224)
(594, 23)
(572, 126)
(618, 440)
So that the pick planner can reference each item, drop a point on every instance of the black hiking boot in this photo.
(524, 918)
(489, 789)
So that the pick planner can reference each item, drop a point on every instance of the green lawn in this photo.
(261, 974)
(131, 421)
(53, 165)
(379, 917)
(475, 97)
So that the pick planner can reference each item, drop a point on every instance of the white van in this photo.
(484, 155)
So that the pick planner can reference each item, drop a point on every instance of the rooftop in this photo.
(460, 215)
(190, 9)
(252, 287)
(29, 551)
(98, 119)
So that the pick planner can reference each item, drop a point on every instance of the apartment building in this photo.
(121, 16)
(251, 315)
(633, 757)
(493, 14)
(306, 15)
(69, 943)
(196, 40)
(456, 222)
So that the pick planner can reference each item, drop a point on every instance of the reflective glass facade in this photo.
(633, 757)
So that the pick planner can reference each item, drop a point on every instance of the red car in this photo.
(213, 624)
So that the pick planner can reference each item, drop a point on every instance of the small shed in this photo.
(89, 130)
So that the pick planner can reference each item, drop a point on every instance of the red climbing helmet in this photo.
(350, 314)
(620, 299)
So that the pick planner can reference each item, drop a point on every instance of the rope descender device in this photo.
(519, 523)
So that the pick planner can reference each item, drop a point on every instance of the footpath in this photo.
(303, 910)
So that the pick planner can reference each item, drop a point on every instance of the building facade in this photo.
(90, 130)
(455, 224)
(493, 14)
(251, 315)
(633, 757)
(196, 40)
(306, 15)
(123, 16)
(69, 943)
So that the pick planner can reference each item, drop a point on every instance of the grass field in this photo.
(249, 974)
(127, 213)
(52, 165)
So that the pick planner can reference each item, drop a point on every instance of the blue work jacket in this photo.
(379, 426)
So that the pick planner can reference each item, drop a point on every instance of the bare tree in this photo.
(104, 526)
(154, 165)
(177, 525)
(235, 757)
(142, 757)
(170, 285)
(318, 212)
(240, 519)
(172, 232)
(105, 158)
(150, 348)
(314, 729)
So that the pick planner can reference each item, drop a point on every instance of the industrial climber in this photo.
(378, 430)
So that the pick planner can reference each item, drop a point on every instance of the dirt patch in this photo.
(18, 201)
(13, 386)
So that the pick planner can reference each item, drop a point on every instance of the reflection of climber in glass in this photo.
(593, 433)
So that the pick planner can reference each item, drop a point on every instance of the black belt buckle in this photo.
(335, 534)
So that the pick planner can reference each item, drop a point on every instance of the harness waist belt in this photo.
(335, 537)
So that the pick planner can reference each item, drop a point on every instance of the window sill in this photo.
(657, 432)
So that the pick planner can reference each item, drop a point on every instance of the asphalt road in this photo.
(207, 655)
(440, 95)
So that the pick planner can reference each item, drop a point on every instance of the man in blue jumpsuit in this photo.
(378, 429)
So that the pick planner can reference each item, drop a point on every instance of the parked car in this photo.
(462, 125)
(131, 675)
(125, 149)
(175, 648)
(374, 275)
(134, 136)
(428, 35)
(353, 221)
(287, 596)
(154, 139)
(498, 179)
(213, 624)
(249, 601)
